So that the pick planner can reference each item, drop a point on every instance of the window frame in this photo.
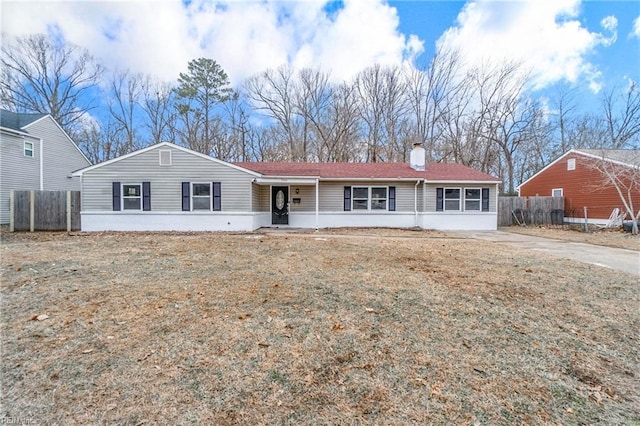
(478, 200)
(571, 164)
(192, 196)
(369, 199)
(553, 190)
(31, 150)
(444, 199)
(124, 196)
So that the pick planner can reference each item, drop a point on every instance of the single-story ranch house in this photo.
(166, 187)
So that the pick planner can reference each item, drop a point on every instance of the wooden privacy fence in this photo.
(530, 211)
(44, 211)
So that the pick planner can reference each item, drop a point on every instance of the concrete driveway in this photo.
(615, 258)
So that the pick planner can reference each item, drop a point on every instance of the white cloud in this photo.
(545, 36)
(244, 37)
(636, 27)
(610, 23)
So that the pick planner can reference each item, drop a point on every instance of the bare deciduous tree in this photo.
(624, 176)
(157, 104)
(125, 93)
(273, 94)
(48, 76)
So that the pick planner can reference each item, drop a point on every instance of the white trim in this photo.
(557, 189)
(364, 179)
(24, 149)
(464, 201)
(571, 164)
(462, 182)
(444, 200)
(122, 196)
(191, 191)
(159, 145)
(369, 198)
(284, 181)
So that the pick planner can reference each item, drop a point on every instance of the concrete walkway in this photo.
(615, 258)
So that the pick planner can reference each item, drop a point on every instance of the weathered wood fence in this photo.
(45, 211)
(530, 210)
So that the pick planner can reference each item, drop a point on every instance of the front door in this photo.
(279, 205)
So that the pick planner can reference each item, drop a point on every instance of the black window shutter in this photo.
(439, 199)
(116, 196)
(485, 199)
(217, 196)
(186, 198)
(146, 196)
(392, 198)
(347, 198)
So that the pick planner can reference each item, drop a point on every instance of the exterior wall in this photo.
(431, 197)
(307, 196)
(16, 170)
(166, 181)
(460, 221)
(174, 221)
(168, 221)
(332, 195)
(581, 188)
(61, 156)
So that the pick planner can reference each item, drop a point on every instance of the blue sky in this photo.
(590, 46)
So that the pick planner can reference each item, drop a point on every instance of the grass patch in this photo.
(408, 327)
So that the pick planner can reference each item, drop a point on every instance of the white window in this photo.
(360, 198)
(556, 192)
(452, 198)
(472, 197)
(370, 198)
(571, 164)
(379, 198)
(28, 149)
(201, 196)
(131, 197)
(165, 157)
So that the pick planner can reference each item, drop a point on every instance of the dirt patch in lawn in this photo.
(273, 329)
(597, 236)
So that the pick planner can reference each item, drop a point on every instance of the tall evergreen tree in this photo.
(200, 90)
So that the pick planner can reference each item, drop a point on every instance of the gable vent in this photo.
(165, 157)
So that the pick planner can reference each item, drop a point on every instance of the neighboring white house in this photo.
(35, 154)
(165, 187)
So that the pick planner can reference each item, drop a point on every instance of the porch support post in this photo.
(317, 202)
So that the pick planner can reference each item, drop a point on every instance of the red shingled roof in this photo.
(433, 172)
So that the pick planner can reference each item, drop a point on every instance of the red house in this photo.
(582, 177)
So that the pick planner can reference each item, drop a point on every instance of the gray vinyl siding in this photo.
(166, 181)
(307, 195)
(332, 194)
(256, 194)
(61, 156)
(431, 194)
(17, 172)
(264, 204)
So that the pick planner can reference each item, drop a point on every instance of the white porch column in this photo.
(317, 202)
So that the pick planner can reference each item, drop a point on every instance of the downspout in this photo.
(41, 165)
(317, 202)
(415, 203)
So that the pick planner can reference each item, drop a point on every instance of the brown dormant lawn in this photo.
(402, 327)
